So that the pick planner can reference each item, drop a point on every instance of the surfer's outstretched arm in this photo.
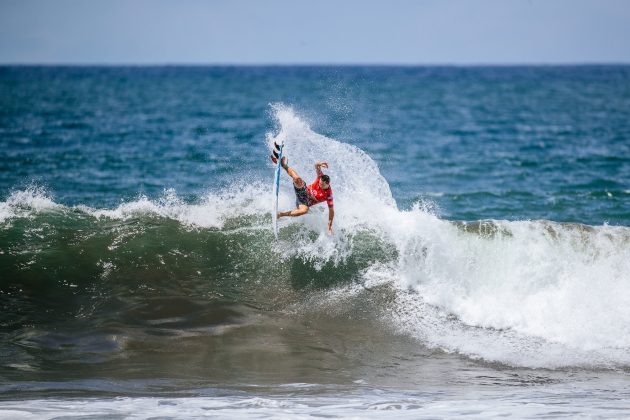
(318, 168)
(331, 216)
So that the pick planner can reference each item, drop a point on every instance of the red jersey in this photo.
(317, 195)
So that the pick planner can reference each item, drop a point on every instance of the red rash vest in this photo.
(317, 195)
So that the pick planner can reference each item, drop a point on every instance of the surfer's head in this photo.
(324, 182)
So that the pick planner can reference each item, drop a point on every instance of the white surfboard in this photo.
(277, 152)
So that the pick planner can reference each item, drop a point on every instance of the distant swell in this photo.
(525, 293)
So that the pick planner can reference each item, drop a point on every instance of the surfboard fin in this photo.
(275, 153)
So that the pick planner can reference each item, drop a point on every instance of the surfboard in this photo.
(277, 152)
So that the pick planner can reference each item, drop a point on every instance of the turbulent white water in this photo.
(364, 403)
(527, 293)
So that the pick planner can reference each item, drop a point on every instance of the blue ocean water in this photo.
(480, 264)
(511, 143)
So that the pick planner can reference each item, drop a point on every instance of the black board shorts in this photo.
(301, 196)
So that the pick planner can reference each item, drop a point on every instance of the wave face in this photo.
(521, 293)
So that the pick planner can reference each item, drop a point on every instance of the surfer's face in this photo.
(323, 185)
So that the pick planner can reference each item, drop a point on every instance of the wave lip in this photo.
(26, 202)
(211, 211)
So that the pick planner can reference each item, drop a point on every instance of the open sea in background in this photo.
(480, 264)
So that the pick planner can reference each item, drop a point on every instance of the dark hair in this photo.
(325, 178)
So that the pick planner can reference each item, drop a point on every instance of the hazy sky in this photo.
(316, 31)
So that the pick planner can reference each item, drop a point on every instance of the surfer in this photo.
(307, 196)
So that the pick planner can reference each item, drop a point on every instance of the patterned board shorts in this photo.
(301, 196)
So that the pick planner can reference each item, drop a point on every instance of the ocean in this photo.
(479, 267)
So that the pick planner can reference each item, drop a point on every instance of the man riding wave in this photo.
(307, 196)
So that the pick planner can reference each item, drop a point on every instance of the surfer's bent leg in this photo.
(297, 181)
(300, 211)
(301, 199)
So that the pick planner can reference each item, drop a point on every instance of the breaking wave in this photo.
(525, 293)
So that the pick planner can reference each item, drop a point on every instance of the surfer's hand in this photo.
(330, 229)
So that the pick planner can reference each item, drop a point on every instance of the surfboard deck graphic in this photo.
(277, 153)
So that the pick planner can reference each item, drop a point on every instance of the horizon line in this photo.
(315, 64)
